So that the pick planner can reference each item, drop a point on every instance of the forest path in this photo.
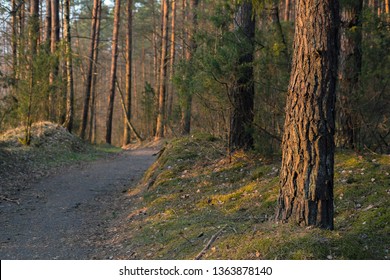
(65, 215)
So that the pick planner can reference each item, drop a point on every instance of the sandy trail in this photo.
(63, 216)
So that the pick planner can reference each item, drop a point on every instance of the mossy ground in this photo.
(194, 189)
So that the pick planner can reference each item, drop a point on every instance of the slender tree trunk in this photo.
(350, 63)
(143, 74)
(34, 27)
(155, 47)
(172, 58)
(160, 124)
(14, 43)
(20, 40)
(129, 49)
(186, 109)
(134, 93)
(114, 58)
(92, 115)
(47, 46)
(48, 24)
(33, 44)
(87, 94)
(387, 6)
(184, 30)
(242, 92)
(69, 69)
(287, 11)
(307, 171)
(55, 27)
(55, 37)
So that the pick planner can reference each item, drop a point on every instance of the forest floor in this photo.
(199, 202)
(60, 207)
(194, 202)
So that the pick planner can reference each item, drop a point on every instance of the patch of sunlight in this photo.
(137, 212)
(384, 159)
(352, 162)
(220, 199)
(164, 199)
(162, 216)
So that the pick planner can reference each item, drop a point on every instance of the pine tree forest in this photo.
(187, 60)
(294, 81)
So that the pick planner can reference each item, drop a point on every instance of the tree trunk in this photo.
(160, 124)
(69, 69)
(34, 27)
(55, 27)
(287, 11)
(87, 93)
(92, 117)
(129, 48)
(184, 30)
(242, 92)
(114, 58)
(33, 37)
(55, 37)
(21, 31)
(14, 41)
(186, 109)
(155, 47)
(172, 58)
(48, 24)
(350, 63)
(307, 171)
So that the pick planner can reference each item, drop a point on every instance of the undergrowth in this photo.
(195, 189)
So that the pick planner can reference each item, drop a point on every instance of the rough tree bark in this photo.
(87, 92)
(160, 124)
(242, 92)
(307, 171)
(350, 63)
(114, 58)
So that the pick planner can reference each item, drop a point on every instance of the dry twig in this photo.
(2, 197)
(211, 241)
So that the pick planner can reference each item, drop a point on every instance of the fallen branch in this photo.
(129, 124)
(2, 197)
(211, 241)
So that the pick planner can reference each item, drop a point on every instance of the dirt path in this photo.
(64, 216)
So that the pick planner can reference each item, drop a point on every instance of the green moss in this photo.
(197, 189)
